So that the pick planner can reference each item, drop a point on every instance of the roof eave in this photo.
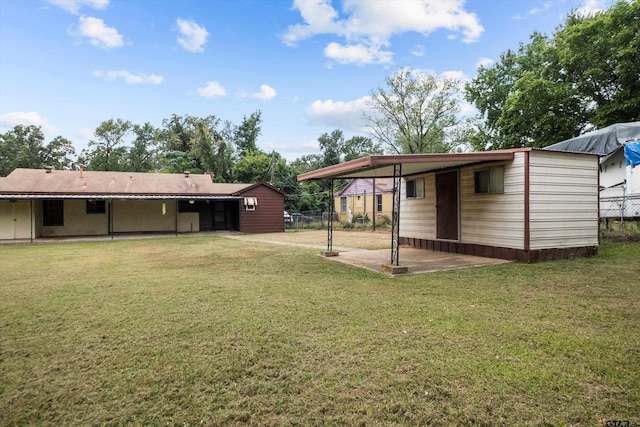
(375, 162)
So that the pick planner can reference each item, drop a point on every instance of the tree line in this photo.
(584, 76)
(187, 143)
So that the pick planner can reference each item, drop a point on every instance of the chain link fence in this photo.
(620, 208)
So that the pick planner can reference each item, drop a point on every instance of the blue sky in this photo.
(308, 65)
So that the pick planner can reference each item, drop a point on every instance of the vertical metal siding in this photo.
(268, 217)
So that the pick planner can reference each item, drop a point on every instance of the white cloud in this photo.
(129, 78)
(590, 7)
(357, 54)
(484, 62)
(26, 118)
(367, 25)
(211, 90)
(339, 114)
(418, 50)
(545, 6)
(266, 93)
(192, 36)
(97, 32)
(73, 6)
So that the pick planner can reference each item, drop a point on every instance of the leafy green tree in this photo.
(202, 144)
(553, 89)
(246, 134)
(359, 146)
(23, 147)
(142, 154)
(600, 55)
(107, 152)
(255, 166)
(413, 113)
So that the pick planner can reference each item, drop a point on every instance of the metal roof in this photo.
(383, 166)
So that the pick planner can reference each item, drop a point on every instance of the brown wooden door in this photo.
(447, 205)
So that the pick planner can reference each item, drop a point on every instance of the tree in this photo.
(59, 153)
(246, 134)
(107, 152)
(197, 144)
(255, 166)
(23, 147)
(413, 114)
(600, 55)
(142, 154)
(359, 146)
(555, 88)
(330, 145)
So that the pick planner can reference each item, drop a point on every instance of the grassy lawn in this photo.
(210, 331)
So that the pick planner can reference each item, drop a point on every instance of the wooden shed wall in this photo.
(563, 200)
(268, 217)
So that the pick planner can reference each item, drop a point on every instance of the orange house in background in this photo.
(357, 199)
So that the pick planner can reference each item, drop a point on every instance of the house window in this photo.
(379, 202)
(96, 206)
(415, 188)
(52, 213)
(187, 206)
(489, 181)
(343, 204)
(250, 203)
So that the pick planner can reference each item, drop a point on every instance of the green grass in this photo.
(211, 331)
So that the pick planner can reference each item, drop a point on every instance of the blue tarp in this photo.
(632, 153)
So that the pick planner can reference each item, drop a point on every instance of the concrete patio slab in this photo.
(416, 261)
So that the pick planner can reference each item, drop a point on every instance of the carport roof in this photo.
(383, 166)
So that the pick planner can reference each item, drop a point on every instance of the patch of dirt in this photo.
(341, 238)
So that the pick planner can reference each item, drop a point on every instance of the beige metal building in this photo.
(520, 204)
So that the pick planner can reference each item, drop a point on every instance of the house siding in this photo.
(15, 220)
(418, 216)
(359, 196)
(143, 216)
(494, 219)
(268, 217)
(563, 200)
(76, 221)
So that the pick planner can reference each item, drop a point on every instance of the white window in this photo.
(250, 203)
(489, 181)
(415, 188)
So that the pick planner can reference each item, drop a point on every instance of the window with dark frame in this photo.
(343, 204)
(52, 213)
(96, 206)
(415, 188)
(489, 181)
(379, 202)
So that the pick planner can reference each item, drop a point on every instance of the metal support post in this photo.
(330, 222)
(395, 215)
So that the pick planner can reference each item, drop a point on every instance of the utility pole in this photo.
(273, 167)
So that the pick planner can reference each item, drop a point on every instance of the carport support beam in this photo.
(395, 215)
(330, 252)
